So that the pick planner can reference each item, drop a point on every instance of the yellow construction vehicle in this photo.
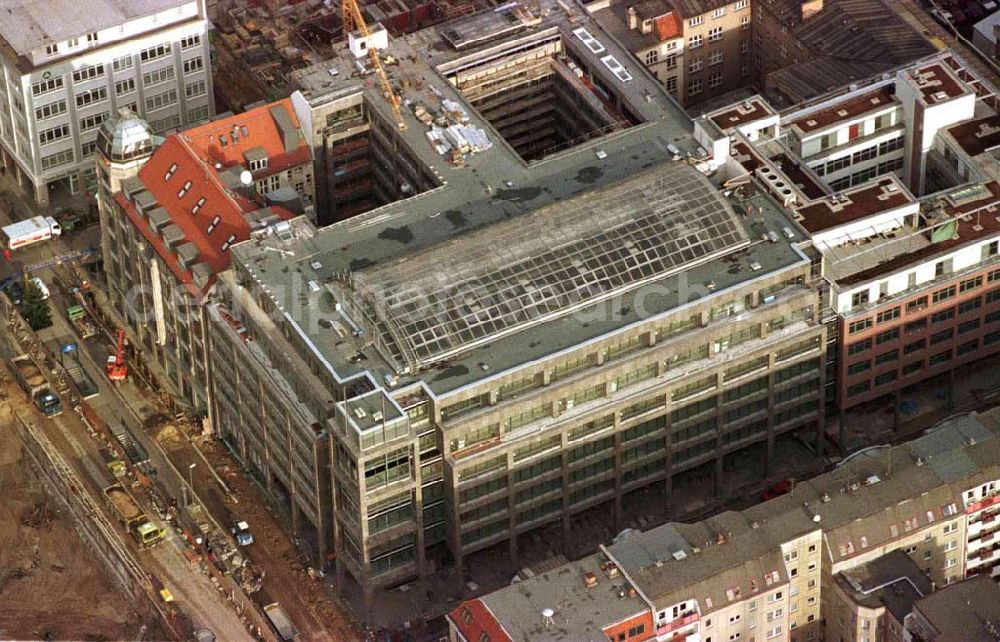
(352, 19)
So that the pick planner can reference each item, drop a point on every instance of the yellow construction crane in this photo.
(352, 19)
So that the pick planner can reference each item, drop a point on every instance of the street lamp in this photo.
(191, 478)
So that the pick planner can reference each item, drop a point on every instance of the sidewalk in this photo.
(976, 386)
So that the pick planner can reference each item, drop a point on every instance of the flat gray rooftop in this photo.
(422, 238)
(579, 611)
(28, 25)
(284, 267)
(893, 580)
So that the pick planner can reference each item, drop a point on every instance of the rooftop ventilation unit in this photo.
(776, 184)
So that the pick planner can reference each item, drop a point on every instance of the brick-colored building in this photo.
(793, 50)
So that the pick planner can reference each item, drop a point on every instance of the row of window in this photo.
(862, 155)
(938, 358)
(916, 305)
(53, 49)
(865, 175)
(683, 431)
(697, 85)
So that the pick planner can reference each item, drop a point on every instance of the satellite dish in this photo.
(246, 177)
(817, 518)
(548, 612)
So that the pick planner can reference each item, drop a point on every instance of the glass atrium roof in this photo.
(488, 283)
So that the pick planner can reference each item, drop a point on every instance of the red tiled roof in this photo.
(256, 128)
(195, 158)
(473, 619)
(154, 240)
(667, 27)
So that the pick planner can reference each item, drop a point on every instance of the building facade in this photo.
(453, 431)
(170, 211)
(63, 80)
(698, 50)
(891, 182)
(850, 555)
(271, 428)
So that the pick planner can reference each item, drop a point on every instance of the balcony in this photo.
(670, 630)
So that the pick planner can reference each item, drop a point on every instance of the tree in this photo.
(35, 308)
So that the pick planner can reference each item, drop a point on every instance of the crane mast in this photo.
(352, 19)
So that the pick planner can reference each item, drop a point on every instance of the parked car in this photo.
(241, 533)
(943, 16)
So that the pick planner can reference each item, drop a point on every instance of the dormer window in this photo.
(51, 50)
(256, 158)
(214, 224)
(229, 241)
(197, 206)
(223, 141)
(184, 190)
(170, 172)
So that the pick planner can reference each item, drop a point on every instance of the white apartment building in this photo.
(66, 66)
(982, 542)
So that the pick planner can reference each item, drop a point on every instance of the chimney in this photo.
(633, 18)
(810, 8)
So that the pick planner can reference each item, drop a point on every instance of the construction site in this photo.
(261, 42)
(51, 586)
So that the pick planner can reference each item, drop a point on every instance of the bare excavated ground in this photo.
(51, 586)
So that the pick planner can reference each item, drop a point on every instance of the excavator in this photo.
(117, 369)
